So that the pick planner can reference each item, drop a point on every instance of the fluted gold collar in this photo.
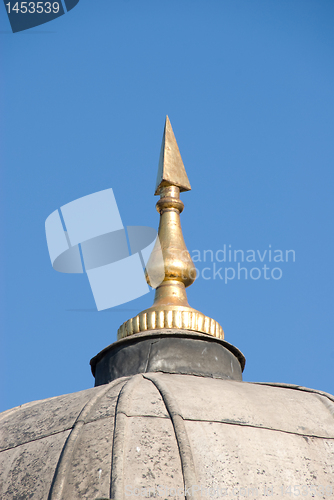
(171, 308)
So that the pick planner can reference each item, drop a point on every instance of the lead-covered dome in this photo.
(169, 431)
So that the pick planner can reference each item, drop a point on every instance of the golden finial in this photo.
(171, 308)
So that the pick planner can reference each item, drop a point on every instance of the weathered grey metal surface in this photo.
(26, 471)
(55, 413)
(190, 476)
(169, 429)
(168, 351)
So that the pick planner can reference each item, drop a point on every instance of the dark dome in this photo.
(166, 426)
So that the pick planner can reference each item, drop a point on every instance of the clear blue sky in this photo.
(248, 86)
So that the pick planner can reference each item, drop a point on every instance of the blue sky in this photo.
(248, 86)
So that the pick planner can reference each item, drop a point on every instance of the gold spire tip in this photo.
(171, 171)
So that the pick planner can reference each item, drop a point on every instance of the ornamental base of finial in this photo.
(182, 318)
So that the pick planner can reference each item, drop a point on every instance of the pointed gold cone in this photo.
(171, 171)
